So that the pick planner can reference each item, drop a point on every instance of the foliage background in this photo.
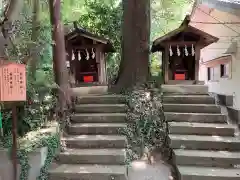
(32, 42)
(103, 17)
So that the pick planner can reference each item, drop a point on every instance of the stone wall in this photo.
(36, 162)
(233, 113)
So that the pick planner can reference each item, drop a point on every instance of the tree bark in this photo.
(10, 15)
(13, 9)
(59, 54)
(134, 66)
(35, 34)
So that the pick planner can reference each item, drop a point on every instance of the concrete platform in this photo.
(140, 170)
(185, 89)
(90, 90)
(101, 99)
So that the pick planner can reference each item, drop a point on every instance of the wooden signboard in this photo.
(12, 82)
(12, 89)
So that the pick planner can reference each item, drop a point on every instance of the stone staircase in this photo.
(95, 149)
(204, 144)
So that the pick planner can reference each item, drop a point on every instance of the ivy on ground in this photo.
(53, 144)
(147, 129)
(27, 145)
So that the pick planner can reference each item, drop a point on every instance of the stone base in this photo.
(185, 89)
(227, 101)
(89, 90)
(36, 161)
(185, 82)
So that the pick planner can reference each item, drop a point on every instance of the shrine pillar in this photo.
(197, 60)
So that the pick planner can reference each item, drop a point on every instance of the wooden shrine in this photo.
(86, 57)
(181, 52)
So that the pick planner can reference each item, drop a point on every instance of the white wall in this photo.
(229, 86)
(226, 34)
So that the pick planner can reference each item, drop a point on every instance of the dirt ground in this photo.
(141, 170)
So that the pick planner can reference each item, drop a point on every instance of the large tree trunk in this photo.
(134, 66)
(59, 54)
(35, 36)
(10, 15)
(13, 9)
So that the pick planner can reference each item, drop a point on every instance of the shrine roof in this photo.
(203, 38)
(72, 33)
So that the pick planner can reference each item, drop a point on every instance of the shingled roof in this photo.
(73, 32)
(159, 43)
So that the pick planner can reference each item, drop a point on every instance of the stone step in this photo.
(99, 117)
(192, 108)
(196, 117)
(88, 172)
(208, 173)
(95, 141)
(101, 108)
(201, 129)
(93, 156)
(90, 90)
(96, 128)
(207, 158)
(178, 141)
(103, 99)
(189, 99)
(185, 89)
(186, 82)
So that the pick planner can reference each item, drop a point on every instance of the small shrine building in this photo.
(86, 54)
(181, 52)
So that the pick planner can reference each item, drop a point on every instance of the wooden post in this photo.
(197, 59)
(101, 68)
(105, 71)
(74, 73)
(98, 60)
(14, 141)
(163, 66)
(166, 65)
(72, 65)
